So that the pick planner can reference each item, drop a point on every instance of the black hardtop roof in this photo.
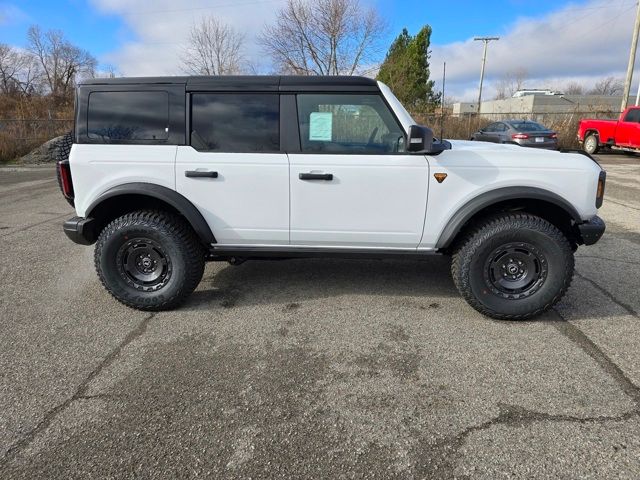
(248, 82)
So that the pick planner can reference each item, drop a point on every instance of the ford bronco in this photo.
(167, 173)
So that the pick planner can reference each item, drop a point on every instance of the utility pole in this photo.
(442, 103)
(486, 41)
(632, 60)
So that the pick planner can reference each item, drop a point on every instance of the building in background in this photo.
(540, 102)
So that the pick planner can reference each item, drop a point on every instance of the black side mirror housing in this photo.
(420, 139)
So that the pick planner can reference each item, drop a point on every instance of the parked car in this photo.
(622, 134)
(522, 132)
(167, 173)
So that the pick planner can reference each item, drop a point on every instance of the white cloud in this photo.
(579, 43)
(161, 28)
(11, 14)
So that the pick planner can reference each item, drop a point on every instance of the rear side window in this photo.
(235, 122)
(128, 117)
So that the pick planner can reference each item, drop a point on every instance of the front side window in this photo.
(235, 122)
(353, 123)
(128, 116)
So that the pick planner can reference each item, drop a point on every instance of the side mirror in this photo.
(420, 139)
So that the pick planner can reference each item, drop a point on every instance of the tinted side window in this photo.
(128, 116)
(491, 127)
(235, 122)
(633, 116)
(337, 123)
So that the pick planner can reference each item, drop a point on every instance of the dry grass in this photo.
(27, 122)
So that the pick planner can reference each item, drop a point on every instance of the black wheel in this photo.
(590, 144)
(149, 260)
(513, 266)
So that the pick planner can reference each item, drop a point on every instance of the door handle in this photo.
(200, 174)
(316, 176)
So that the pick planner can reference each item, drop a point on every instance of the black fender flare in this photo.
(171, 197)
(486, 199)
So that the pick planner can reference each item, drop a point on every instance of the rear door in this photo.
(352, 184)
(234, 171)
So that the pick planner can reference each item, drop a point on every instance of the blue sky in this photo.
(143, 37)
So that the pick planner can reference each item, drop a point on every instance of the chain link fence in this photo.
(19, 136)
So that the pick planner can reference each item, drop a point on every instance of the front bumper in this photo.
(592, 231)
(80, 230)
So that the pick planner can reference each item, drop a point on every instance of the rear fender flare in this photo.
(164, 194)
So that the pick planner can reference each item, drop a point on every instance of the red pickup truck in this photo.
(621, 134)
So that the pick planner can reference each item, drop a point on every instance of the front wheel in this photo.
(513, 266)
(149, 260)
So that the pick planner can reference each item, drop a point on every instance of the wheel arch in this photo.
(538, 201)
(128, 197)
(592, 131)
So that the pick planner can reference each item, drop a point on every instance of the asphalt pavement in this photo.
(312, 368)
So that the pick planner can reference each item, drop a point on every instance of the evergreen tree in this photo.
(406, 71)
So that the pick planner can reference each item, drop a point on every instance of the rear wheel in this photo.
(513, 266)
(149, 260)
(590, 144)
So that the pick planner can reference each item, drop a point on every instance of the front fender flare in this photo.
(164, 194)
(486, 199)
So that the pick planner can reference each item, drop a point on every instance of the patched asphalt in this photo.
(313, 368)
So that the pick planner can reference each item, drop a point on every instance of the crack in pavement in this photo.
(79, 394)
(622, 204)
(628, 262)
(27, 227)
(608, 294)
(446, 452)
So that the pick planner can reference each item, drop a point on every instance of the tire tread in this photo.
(481, 232)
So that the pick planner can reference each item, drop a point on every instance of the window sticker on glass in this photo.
(320, 126)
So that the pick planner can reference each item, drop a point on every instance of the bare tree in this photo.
(10, 67)
(214, 48)
(573, 88)
(510, 83)
(323, 37)
(19, 72)
(62, 63)
(608, 86)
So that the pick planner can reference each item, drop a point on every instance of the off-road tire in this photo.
(176, 246)
(476, 282)
(591, 144)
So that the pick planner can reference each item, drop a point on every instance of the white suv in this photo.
(167, 173)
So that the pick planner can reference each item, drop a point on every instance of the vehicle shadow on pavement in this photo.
(285, 281)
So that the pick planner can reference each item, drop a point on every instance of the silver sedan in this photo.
(522, 132)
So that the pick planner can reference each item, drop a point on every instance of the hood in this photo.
(498, 147)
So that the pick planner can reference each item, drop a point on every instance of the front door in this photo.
(234, 171)
(352, 185)
(628, 131)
